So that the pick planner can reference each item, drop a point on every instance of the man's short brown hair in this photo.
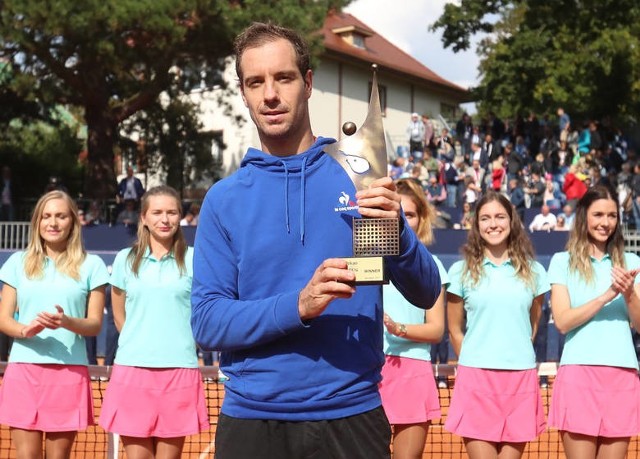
(259, 33)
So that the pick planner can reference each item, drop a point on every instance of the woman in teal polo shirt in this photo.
(594, 296)
(496, 405)
(57, 289)
(155, 396)
(408, 388)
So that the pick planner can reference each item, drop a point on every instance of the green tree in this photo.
(114, 58)
(17, 105)
(36, 151)
(541, 54)
(174, 144)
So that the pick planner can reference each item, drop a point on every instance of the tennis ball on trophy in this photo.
(349, 128)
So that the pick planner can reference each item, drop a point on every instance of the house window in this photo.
(382, 92)
(358, 41)
(448, 112)
(217, 146)
(198, 78)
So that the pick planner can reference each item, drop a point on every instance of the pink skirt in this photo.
(408, 391)
(496, 405)
(597, 401)
(154, 402)
(48, 398)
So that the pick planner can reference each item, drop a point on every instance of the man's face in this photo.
(275, 92)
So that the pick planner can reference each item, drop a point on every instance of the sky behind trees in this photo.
(407, 26)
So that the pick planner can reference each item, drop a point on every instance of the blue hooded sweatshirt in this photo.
(262, 233)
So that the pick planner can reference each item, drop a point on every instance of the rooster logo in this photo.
(344, 199)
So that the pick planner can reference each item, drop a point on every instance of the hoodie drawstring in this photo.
(286, 196)
(302, 197)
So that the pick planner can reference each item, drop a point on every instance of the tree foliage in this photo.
(37, 151)
(541, 54)
(114, 58)
(174, 144)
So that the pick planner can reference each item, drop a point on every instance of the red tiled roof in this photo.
(382, 52)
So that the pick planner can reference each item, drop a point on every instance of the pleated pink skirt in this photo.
(598, 401)
(408, 391)
(496, 405)
(154, 402)
(48, 398)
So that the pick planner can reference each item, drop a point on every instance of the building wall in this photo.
(340, 94)
(222, 110)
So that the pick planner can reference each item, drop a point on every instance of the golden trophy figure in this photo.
(363, 155)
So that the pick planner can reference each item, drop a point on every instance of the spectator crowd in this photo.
(545, 164)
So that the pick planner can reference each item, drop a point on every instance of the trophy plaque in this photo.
(363, 155)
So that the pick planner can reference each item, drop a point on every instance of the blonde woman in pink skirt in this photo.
(408, 389)
(594, 297)
(496, 405)
(155, 396)
(57, 291)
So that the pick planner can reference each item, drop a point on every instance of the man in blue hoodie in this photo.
(301, 345)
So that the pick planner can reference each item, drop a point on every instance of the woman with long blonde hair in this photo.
(499, 287)
(594, 297)
(408, 389)
(155, 397)
(57, 291)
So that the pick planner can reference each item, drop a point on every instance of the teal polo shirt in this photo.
(606, 338)
(59, 346)
(157, 329)
(498, 308)
(404, 312)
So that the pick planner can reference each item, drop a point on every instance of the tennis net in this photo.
(95, 443)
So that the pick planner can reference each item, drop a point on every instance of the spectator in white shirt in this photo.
(544, 221)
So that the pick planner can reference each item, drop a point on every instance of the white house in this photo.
(341, 89)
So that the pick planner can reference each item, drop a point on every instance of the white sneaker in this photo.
(222, 377)
(442, 385)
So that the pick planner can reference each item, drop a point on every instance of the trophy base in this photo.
(368, 270)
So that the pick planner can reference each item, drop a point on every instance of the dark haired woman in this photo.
(496, 405)
(594, 297)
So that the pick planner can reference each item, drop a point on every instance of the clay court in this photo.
(94, 443)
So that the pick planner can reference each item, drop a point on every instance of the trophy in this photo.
(363, 155)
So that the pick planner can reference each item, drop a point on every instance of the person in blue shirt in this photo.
(496, 404)
(301, 344)
(57, 289)
(584, 139)
(408, 388)
(155, 396)
(594, 297)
